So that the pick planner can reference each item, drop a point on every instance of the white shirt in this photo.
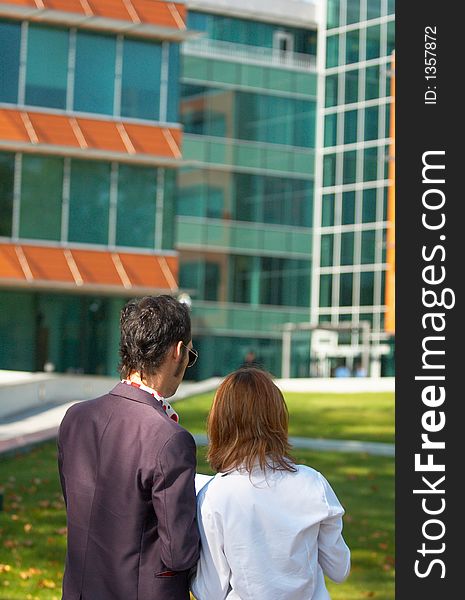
(271, 536)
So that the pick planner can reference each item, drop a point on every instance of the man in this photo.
(127, 469)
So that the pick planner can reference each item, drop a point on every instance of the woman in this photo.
(270, 529)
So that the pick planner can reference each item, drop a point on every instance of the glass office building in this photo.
(237, 151)
(245, 196)
(90, 141)
(351, 204)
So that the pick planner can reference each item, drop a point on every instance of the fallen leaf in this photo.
(383, 546)
(47, 583)
(5, 568)
(27, 527)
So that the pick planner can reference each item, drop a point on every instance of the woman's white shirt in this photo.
(272, 536)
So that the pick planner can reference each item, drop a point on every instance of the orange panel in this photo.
(144, 270)
(9, 263)
(159, 13)
(73, 6)
(53, 129)
(113, 9)
(148, 140)
(390, 288)
(23, 2)
(102, 135)
(12, 126)
(96, 267)
(48, 264)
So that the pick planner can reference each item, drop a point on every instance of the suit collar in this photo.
(136, 394)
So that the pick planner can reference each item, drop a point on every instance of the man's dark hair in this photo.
(149, 327)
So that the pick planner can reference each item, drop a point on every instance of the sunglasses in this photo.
(193, 356)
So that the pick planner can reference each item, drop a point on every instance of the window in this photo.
(348, 208)
(372, 83)
(351, 87)
(353, 12)
(94, 73)
(347, 248)
(246, 275)
(174, 77)
(350, 127)
(373, 42)
(369, 206)
(10, 40)
(368, 246)
(326, 259)
(329, 170)
(46, 79)
(367, 284)
(327, 210)
(373, 9)
(345, 289)
(333, 13)
(350, 162)
(7, 174)
(331, 130)
(370, 164)
(371, 123)
(352, 46)
(331, 86)
(283, 42)
(137, 190)
(391, 37)
(326, 290)
(332, 51)
(41, 197)
(140, 88)
(89, 202)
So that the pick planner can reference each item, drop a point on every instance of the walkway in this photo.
(39, 426)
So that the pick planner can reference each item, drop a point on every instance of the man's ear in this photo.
(178, 350)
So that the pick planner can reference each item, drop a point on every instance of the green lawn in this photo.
(366, 417)
(32, 525)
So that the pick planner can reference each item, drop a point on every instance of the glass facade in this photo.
(94, 80)
(56, 199)
(46, 80)
(359, 43)
(7, 166)
(89, 72)
(88, 202)
(41, 194)
(251, 33)
(245, 214)
(10, 40)
(76, 334)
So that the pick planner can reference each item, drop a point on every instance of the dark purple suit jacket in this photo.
(127, 473)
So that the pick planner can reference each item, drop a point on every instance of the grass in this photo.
(32, 525)
(367, 417)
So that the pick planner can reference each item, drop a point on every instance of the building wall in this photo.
(350, 270)
(95, 89)
(245, 198)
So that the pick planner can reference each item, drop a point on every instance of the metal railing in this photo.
(252, 54)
